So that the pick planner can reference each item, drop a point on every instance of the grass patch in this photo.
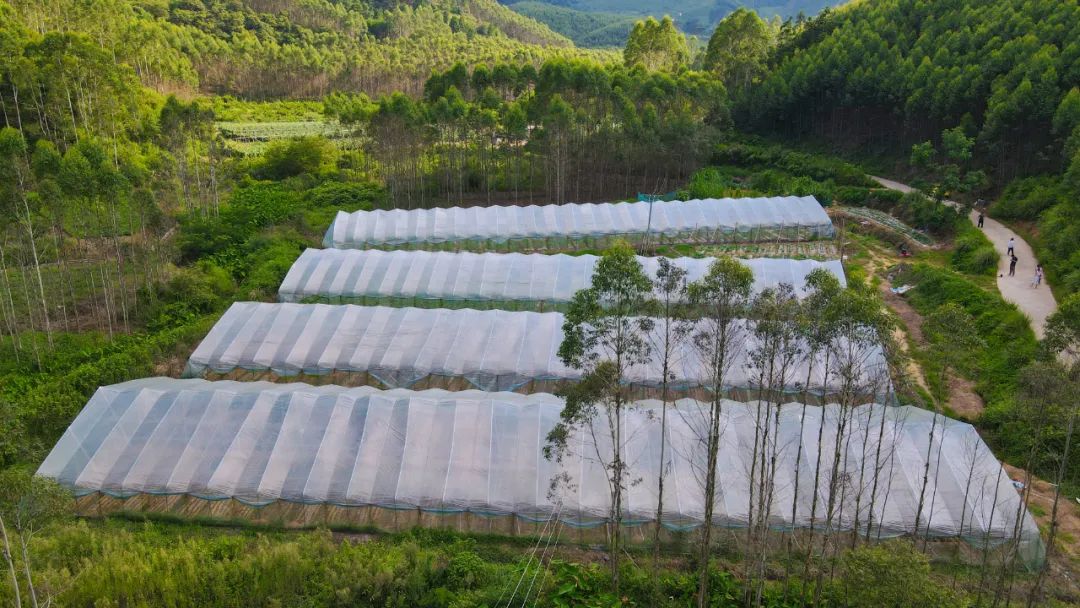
(1010, 342)
(973, 253)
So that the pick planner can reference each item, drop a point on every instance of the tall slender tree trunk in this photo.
(37, 263)
(11, 565)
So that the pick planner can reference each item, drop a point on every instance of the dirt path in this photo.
(1037, 304)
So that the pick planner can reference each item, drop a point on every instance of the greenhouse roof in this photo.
(492, 349)
(482, 452)
(339, 274)
(706, 218)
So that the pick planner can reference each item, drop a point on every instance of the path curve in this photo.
(1037, 304)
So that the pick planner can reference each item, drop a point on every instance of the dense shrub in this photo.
(974, 253)
(874, 198)
(819, 168)
(892, 573)
(188, 294)
(1025, 199)
(345, 196)
(284, 158)
(234, 240)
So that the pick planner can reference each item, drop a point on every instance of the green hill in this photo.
(584, 28)
(261, 49)
(697, 17)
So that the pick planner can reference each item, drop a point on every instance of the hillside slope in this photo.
(586, 29)
(299, 48)
(693, 16)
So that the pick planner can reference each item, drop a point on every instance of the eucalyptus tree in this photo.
(738, 49)
(856, 318)
(818, 331)
(722, 297)
(605, 335)
(670, 333)
(777, 351)
(656, 45)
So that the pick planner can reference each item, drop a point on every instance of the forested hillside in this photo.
(882, 76)
(697, 17)
(261, 49)
(586, 29)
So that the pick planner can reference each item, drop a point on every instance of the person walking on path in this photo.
(1012, 263)
(1038, 276)
(981, 219)
(1012, 246)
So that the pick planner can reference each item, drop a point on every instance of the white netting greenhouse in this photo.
(582, 225)
(511, 281)
(445, 453)
(442, 348)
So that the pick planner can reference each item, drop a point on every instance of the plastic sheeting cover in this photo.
(482, 452)
(492, 349)
(337, 274)
(379, 228)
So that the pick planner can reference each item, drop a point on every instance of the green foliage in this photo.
(189, 294)
(820, 168)
(230, 109)
(581, 585)
(1010, 343)
(919, 68)
(1027, 198)
(348, 196)
(586, 29)
(973, 253)
(29, 503)
(890, 574)
(697, 17)
(738, 49)
(1063, 327)
(234, 239)
(656, 45)
(311, 155)
(265, 51)
(954, 340)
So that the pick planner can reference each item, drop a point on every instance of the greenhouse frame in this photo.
(474, 461)
(492, 350)
(508, 281)
(582, 225)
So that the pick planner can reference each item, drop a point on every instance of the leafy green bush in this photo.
(1027, 198)
(974, 253)
(188, 294)
(819, 168)
(875, 198)
(312, 155)
(710, 183)
(345, 195)
(893, 573)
